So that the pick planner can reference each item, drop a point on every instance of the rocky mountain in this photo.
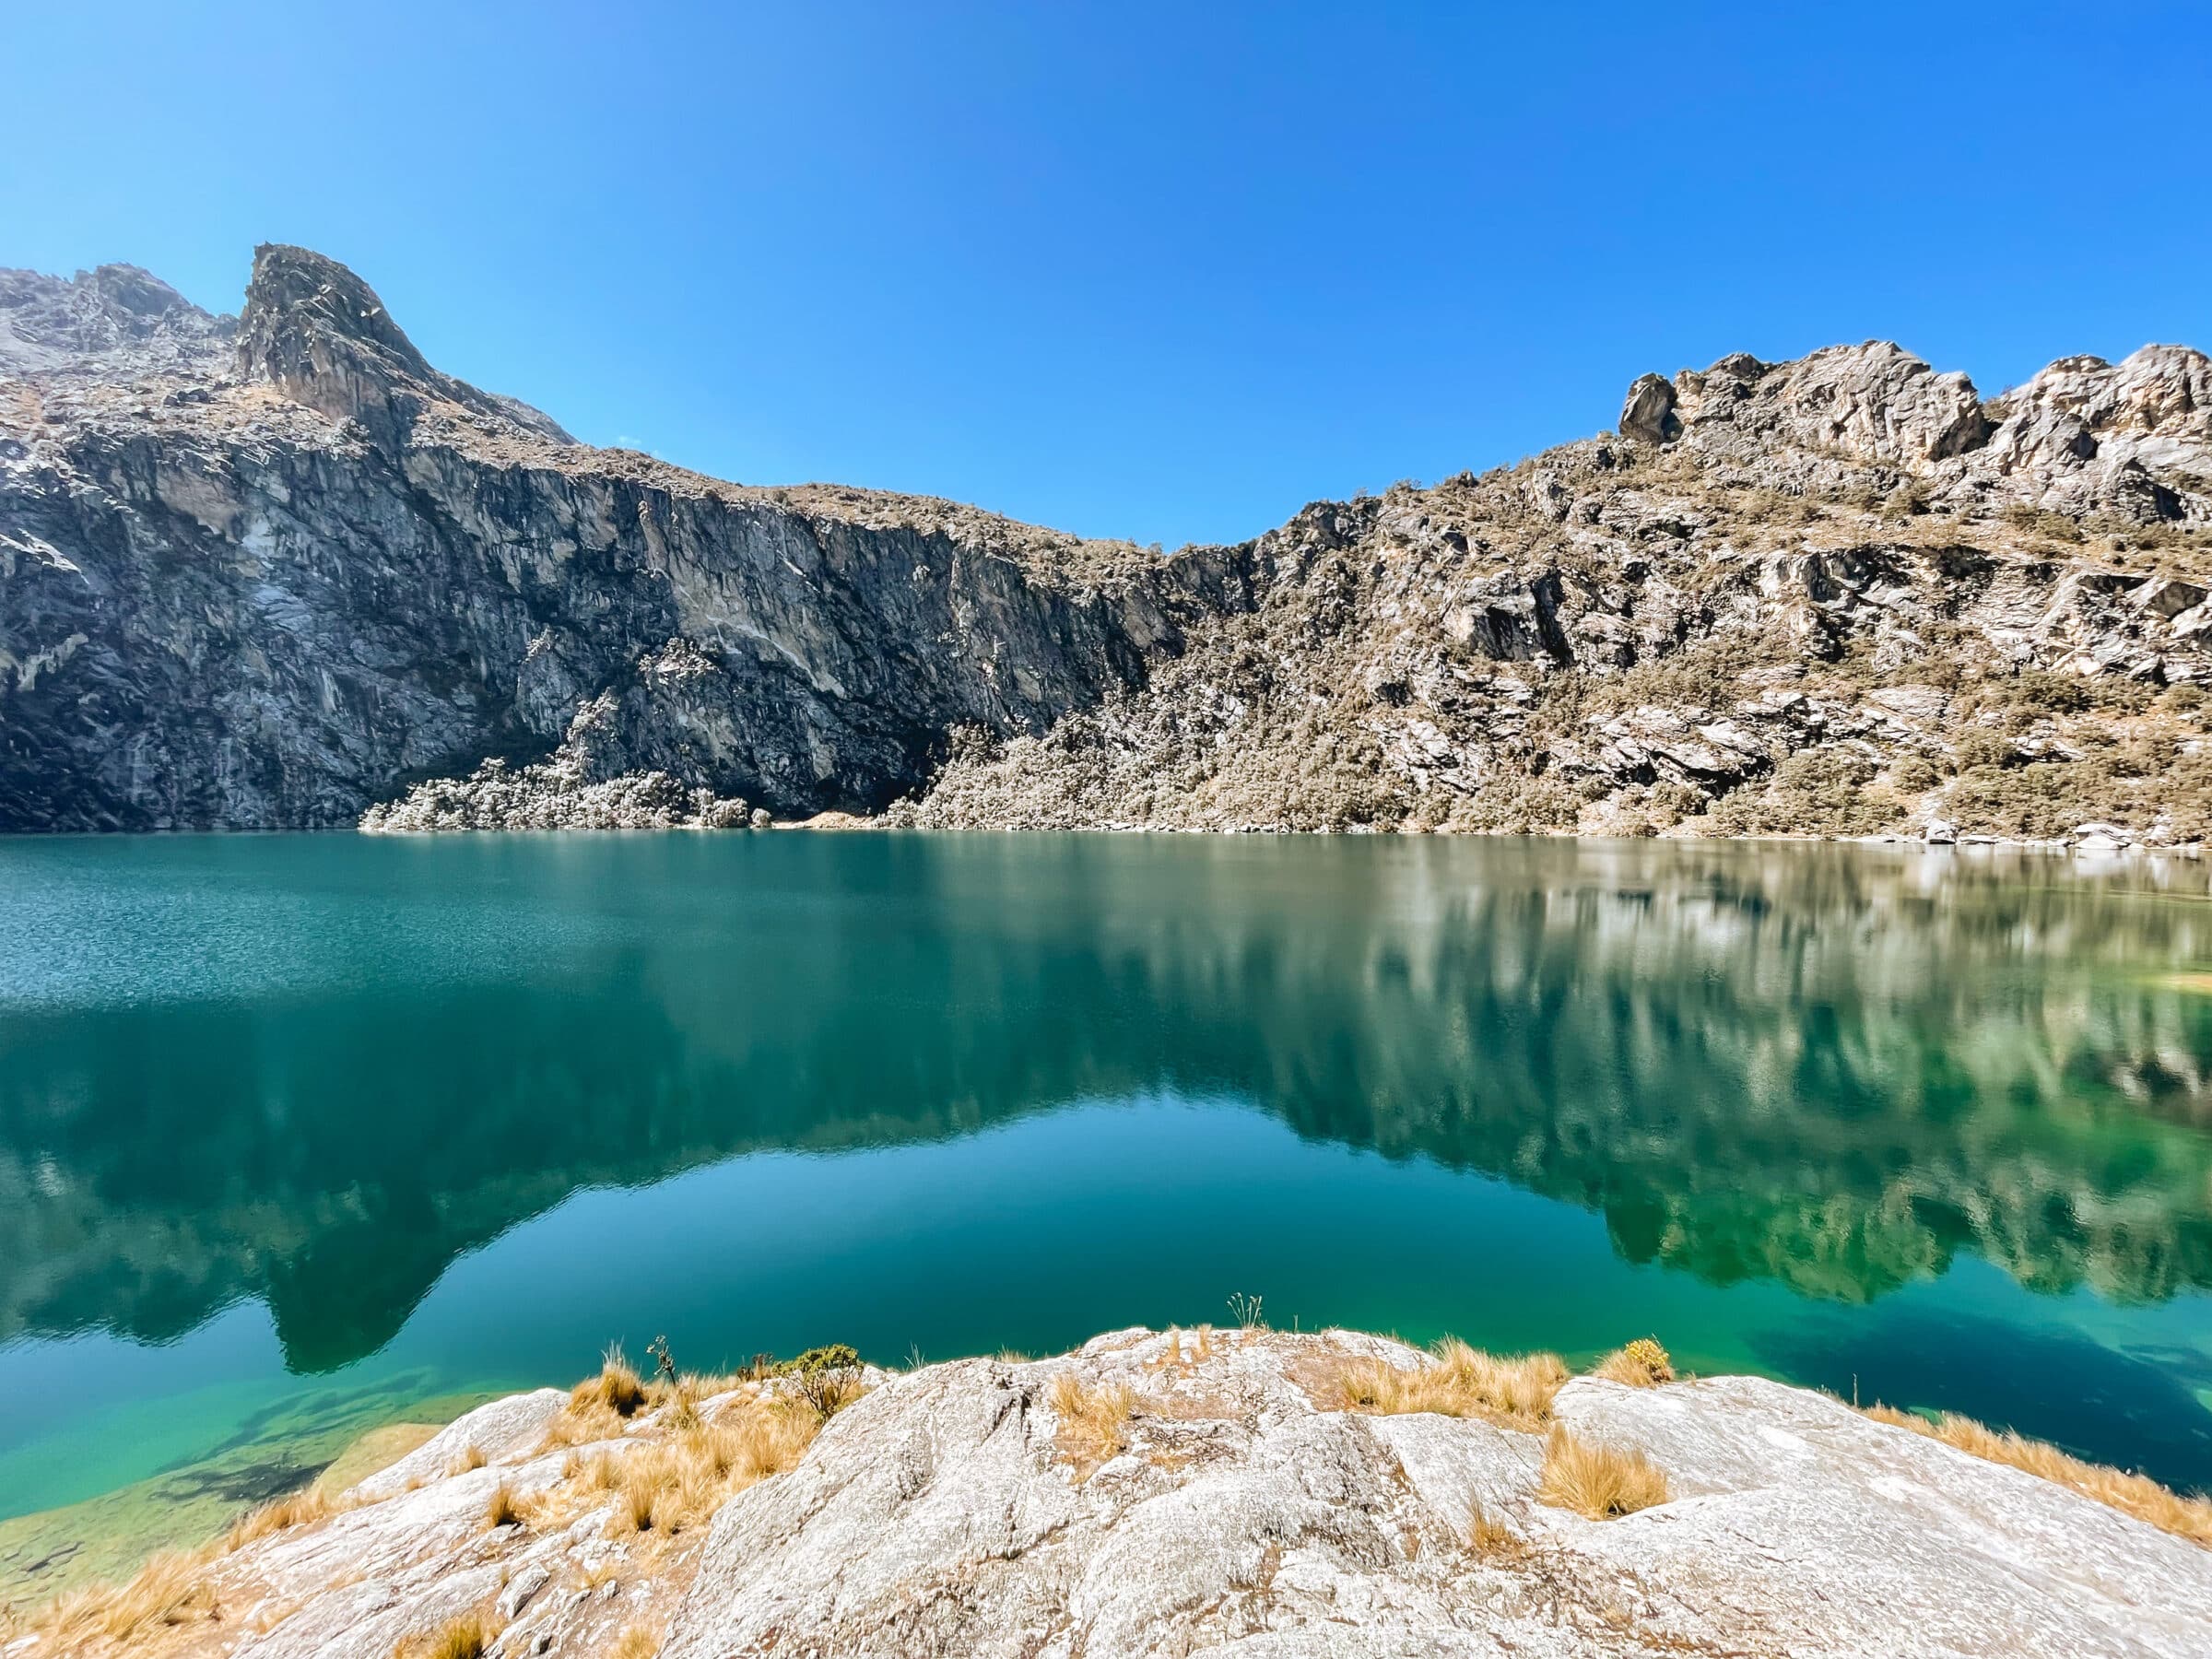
(283, 572)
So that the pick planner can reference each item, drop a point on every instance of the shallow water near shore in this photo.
(302, 1135)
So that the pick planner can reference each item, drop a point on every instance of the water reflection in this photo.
(315, 1070)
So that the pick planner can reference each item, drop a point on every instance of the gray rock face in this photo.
(954, 1510)
(282, 572)
(115, 320)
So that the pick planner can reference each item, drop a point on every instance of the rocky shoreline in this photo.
(1242, 1490)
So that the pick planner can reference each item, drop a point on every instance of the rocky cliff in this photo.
(281, 571)
(1241, 1491)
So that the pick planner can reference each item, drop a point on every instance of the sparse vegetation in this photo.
(500, 1509)
(1093, 1427)
(171, 1589)
(617, 1387)
(466, 1636)
(828, 1377)
(1641, 1364)
(672, 1484)
(1489, 1537)
(295, 1509)
(2135, 1495)
(1597, 1481)
(1458, 1381)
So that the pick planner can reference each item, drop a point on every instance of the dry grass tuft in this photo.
(2135, 1495)
(1642, 1364)
(1094, 1422)
(171, 1589)
(677, 1484)
(1597, 1481)
(616, 1388)
(295, 1509)
(1491, 1538)
(501, 1510)
(1458, 1382)
(466, 1636)
(637, 1641)
(467, 1458)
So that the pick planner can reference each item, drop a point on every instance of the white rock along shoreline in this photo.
(1232, 1504)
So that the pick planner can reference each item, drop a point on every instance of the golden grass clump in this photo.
(1597, 1481)
(679, 1483)
(295, 1509)
(616, 1388)
(463, 1460)
(1642, 1364)
(466, 1636)
(171, 1589)
(1458, 1381)
(499, 1510)
(637, 1642)
(1094, 1422)
(2135, 1495)
(1491, 1538)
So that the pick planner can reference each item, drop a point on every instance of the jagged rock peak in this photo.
(1878, 403)
(114, 316)
(1874, 402)
(321, 334)
(301, 306)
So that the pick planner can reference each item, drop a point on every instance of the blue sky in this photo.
(1166, 272)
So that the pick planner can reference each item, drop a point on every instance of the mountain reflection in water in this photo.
(313, 1071)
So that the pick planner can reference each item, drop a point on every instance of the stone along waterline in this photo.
(298, 1133)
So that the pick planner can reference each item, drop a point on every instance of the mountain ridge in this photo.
(286, 574)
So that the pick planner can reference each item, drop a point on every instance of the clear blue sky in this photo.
(1163, 272)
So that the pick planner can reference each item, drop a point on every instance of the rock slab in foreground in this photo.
(934, 1517)
(954, 1511)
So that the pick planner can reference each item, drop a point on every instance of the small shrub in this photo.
(1915, 774)
(1598, 1482)
(828, 1377)
(1642, 1364)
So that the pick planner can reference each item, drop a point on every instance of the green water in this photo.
(298, 1131)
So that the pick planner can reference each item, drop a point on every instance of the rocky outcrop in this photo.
(283, 572)
(1206, 1491)
(117, 321)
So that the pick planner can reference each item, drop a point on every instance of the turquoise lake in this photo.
(298, 1133)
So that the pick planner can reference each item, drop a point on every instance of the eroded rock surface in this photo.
(955, 1510)
(281, 570)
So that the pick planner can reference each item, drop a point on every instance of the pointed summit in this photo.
(321, 334)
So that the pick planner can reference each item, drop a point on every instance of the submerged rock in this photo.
(1208, 1490)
